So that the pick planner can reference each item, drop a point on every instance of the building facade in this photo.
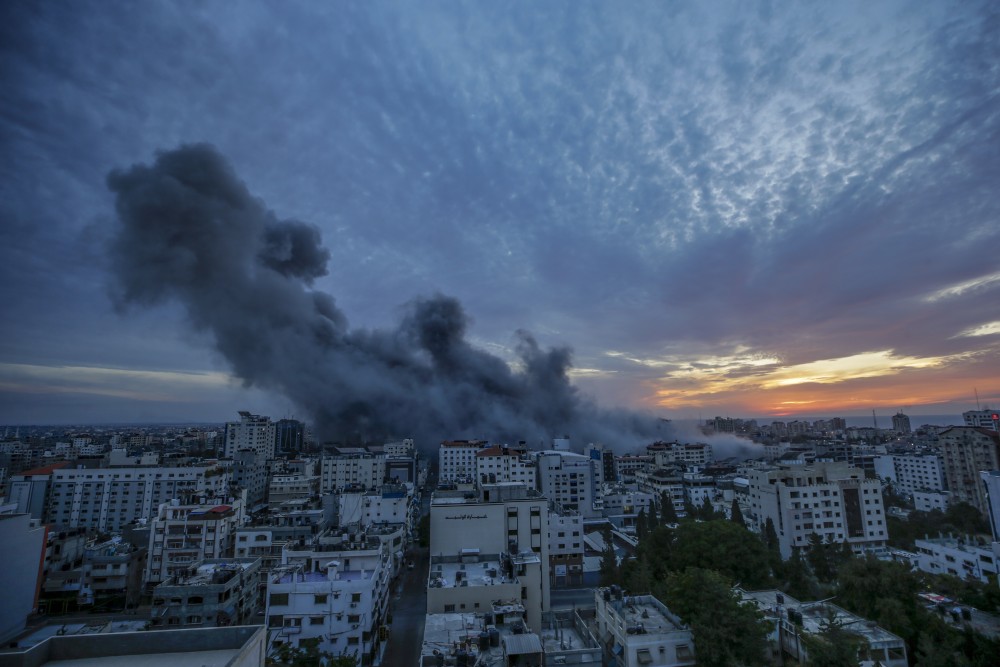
(967, 451)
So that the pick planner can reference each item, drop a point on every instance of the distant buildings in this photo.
(457, 460)
(911, 472)
(351, 467)
(901, 423)
(988, 419)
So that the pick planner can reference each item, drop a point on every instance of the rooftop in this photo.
(815, 616)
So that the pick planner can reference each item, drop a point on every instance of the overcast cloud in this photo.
(735, 208)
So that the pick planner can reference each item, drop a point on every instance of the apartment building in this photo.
(197, 529)
(493, 547)
(641, 630)
(333, 593)
(832, 500)
(457, 460)
(958, 557)
(566, 547)
(351, 467)
(568, 480)
(211, 593)
(252, 432)
(499, 464)
(106, 499)
(967, 451)
(911, 472)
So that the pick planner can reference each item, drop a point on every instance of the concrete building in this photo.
(107, 577)
(185, 533)
(252, 432)
(639, 630)
(390, 503)
(336, 597)
(958, 557)
(967, 451)
(991, 486)
(566, 547)
(901, 423)
(792, 620)
(212, 593)
(688, 454)
(289, 436)
(568, 479)
(348, 467)
(487, 548)
(295, 486)
(29, 490)
(498, 464)
(911, 472)
(243, 646)
(665, 481)
(988, 419)
(107, 499)
(23, 541)
(832, 500)
(457, 460)
(248, 471)
(605, 471)
(926, 501)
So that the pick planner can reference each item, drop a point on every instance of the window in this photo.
(315, 620)
(353, 618)
(355, 597)
(320, 599)
(278, 599)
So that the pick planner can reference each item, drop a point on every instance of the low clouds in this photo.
(683, 182)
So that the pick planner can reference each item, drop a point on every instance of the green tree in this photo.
(654, 520)
(706, 512)
(796, 578)
(721, 545)
(641, 525)
(770, 538)
(883, 592)
(308, 655)
(609, 559)
(726, 631)
(818, 556)
(736, 514)
(833, 645)
(668, 513)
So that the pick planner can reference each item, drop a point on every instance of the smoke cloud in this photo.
(190, 231)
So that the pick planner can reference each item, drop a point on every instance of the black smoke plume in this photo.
(191, 231)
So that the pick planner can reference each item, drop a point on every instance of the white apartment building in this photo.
(251, 432)
(956, 557)
(926, 501)
(390, 503)
(911, 472)
(107, 499)
(629, 467)
(830, 499)
(400, 448)
(23, 543)
(643, 630)
(982, 418)
(457, 460)
(659, 482)
(567, 479)
(183, 534)
(494, 548)
(351, 468)
(337, 596)
(292, 487)
(505, 464)
(691, 453)
(698, 488)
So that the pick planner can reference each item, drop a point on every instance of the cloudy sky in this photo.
(738, 208)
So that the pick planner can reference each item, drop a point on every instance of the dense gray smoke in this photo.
(190, 230)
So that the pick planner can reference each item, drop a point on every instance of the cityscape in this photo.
(268, 546)
(465, 334)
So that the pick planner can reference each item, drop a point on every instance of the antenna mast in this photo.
(978, 407)
(874, 419)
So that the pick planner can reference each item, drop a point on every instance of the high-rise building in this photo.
(289, 435)
(911, 472)
(23, 543)
(832, 500)
(568, 479)
(350, 467)
(991, 485)
(967, 450)
(901, 423)
(505, 464)
(252, 432)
